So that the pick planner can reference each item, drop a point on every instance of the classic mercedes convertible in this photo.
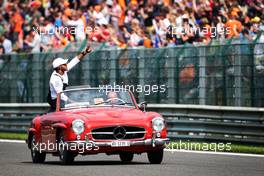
(93, 120)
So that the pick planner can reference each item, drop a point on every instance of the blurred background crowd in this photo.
(42, 25)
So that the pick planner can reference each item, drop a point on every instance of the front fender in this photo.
(31, 132)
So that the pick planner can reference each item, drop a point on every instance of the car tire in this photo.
(66, 156)
(126, 157)
(37, 157)
(155, 157)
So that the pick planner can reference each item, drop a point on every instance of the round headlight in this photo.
(78, 126)
(158, 124)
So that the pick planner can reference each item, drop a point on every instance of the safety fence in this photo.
(185, 122)
(226, 74)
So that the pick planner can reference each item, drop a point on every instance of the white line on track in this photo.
(171, 150)
(214, 153)
(12, 141)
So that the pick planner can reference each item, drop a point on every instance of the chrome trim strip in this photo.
(100, 133)
(134, 132)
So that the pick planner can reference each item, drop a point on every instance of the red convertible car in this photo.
(91, 121)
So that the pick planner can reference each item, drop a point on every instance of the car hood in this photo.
(111, 115)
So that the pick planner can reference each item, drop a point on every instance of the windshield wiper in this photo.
(124, 103)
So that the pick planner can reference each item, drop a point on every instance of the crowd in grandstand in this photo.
(40, 25)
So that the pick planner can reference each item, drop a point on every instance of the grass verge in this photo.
(19, 136)
(216, 147)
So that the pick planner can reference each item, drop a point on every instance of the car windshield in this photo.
(78, 98)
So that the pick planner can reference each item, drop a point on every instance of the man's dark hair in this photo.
(185, 20)
(245, 32)
(56, 69)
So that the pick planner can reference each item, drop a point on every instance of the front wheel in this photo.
(66, 156)
(37, 157)
(155, 157)
(126, 157)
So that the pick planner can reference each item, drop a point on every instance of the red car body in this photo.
(123, 130)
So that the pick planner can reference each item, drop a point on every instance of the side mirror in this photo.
(143, 105)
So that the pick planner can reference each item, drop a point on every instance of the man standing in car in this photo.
(59, 78)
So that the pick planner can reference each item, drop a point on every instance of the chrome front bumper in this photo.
(147, 142)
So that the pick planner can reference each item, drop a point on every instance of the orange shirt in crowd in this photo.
(122, 18)
(234, 27)
(166, 2)
(18, 22)
(147, 43)
(122, 4)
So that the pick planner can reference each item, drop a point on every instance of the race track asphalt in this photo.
(15, 160)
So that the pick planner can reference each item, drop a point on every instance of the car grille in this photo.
(118, 132)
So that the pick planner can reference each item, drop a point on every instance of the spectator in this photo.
(33, 41)
(134, 38)
(234, 25)
(78, 23)
(115, 13)
(127, 22)
(7, 44)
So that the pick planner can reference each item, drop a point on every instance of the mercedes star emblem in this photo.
(119, 132)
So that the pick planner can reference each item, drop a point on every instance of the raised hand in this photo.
(87, 50)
